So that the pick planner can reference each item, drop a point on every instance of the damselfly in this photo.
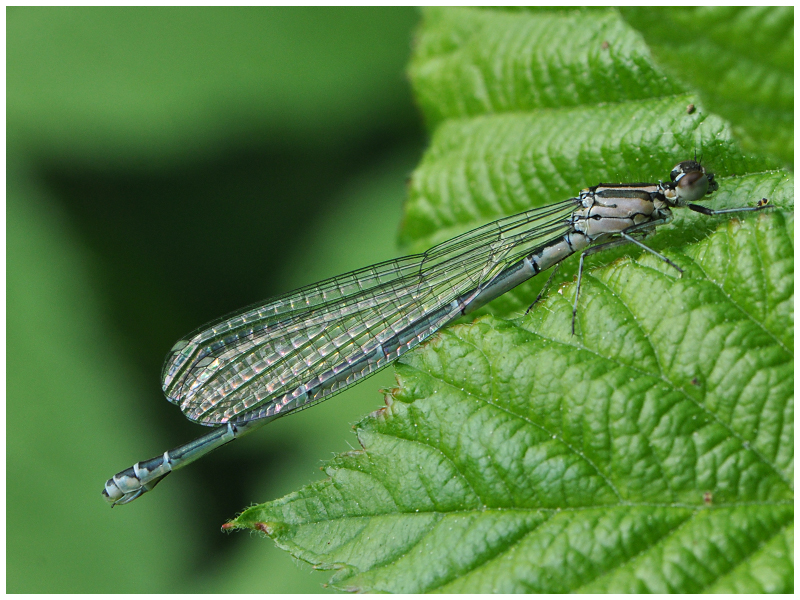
(293, 351)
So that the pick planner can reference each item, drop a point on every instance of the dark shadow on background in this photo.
(177, 248)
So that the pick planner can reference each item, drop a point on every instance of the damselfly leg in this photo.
(647, 228)
(544, 289)
(703, 210)
(626, 238)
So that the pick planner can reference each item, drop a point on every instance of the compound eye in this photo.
(691, 186)
(687, 166)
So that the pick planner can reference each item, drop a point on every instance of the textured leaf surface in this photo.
(739, 59)
(653, 450)
(470, 62)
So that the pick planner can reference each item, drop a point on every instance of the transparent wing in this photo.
(300, 348)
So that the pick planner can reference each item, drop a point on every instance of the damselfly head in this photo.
(690, 183)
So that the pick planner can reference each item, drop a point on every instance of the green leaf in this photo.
(652, 453)
(653, 450)
(470, 62)
(740, 60)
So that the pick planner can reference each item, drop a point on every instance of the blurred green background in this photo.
(164, 167)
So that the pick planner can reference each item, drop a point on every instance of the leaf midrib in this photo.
(526, 509)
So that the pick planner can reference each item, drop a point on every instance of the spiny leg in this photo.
(577, 291)
(544, 287)
(762, 204)
(633, 240)
(649, 226)
(643, 228)
(587, 252)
